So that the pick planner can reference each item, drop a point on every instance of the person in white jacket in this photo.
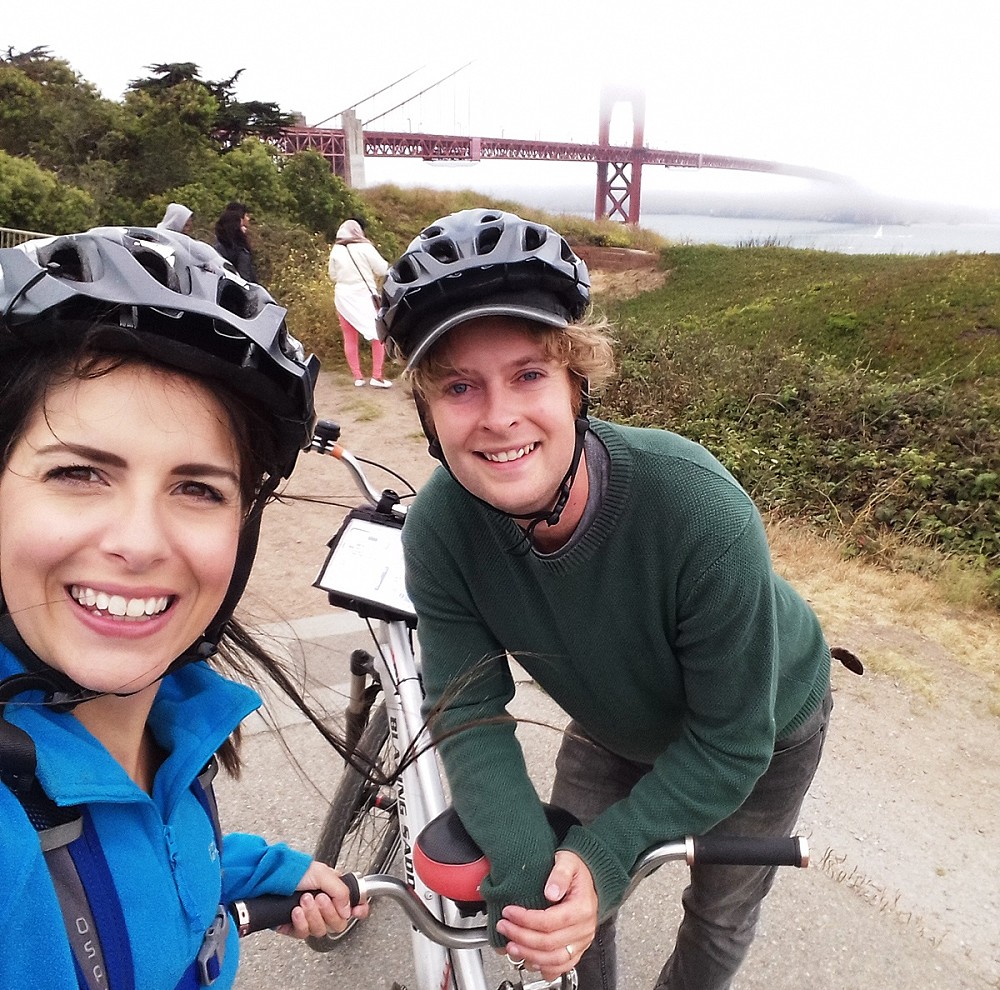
(355, 268)
(177, 217)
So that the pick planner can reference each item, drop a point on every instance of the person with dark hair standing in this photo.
(232, 242)
(139, 444)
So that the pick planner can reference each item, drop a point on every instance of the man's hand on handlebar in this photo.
(325, 906)
(552, 940)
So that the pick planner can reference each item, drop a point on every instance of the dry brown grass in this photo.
(902, 624)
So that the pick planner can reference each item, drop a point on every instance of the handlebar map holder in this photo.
(363, 571)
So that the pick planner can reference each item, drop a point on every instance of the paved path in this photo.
(825, 928)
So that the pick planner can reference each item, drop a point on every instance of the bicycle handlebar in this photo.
(268, 911)
(326, 435)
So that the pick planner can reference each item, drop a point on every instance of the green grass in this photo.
(859, 394)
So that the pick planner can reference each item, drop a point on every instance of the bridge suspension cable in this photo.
(371, 96)
(410, 99)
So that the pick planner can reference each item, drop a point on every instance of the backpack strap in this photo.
(84, 886)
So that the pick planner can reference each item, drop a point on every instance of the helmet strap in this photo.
(61, 692)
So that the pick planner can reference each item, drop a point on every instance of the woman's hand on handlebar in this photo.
(325, 906)
(552, 940)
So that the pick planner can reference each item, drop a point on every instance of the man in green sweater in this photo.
(628, 573)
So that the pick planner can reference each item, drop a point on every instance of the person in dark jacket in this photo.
(231, 239)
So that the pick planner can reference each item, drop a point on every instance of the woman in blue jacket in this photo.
(150, 403)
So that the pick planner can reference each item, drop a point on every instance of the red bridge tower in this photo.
(618, 196)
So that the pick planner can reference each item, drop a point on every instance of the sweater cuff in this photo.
(514, 891)
(610, 877)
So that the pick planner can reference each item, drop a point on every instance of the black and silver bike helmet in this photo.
(484, 263)
(174, 299)
(479, 263)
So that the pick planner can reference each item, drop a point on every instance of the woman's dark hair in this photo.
(227, 228)
(26, 378)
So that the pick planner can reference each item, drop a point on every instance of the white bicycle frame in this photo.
(420, 798)
(377, 591)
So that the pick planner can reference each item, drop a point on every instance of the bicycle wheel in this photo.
(361, 830)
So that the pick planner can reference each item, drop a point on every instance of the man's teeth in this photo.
(510, 455)
(119, 605)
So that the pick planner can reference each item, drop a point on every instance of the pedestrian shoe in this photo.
(379, 383)
(360, 382)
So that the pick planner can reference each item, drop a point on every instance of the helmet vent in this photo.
(488, 240)
(428, 232)
(70, 265)
(235, 300)
(159, 268)
(534, 237)
(445, 251)
(405, 271)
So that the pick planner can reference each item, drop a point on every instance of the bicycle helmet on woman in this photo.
(478, 263)
(164, 296)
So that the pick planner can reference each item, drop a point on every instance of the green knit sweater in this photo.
(663, 630)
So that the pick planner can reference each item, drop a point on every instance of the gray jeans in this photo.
(722, 903)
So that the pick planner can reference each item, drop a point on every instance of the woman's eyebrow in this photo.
(99, 456)
(83, 451)
(207, 471)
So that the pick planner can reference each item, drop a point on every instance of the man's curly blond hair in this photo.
(585, 349)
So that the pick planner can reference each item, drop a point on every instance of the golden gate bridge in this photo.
(619, 167)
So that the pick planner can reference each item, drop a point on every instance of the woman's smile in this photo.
(119, 606)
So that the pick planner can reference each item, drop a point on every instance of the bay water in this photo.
(819, 235)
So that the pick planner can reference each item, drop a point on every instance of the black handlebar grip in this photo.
(353, 887)
(326, 431)
(266, 911)
(735, 850)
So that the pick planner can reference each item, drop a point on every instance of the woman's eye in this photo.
(73, 473)
(200, 490)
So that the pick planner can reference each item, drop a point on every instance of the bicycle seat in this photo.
(452, 865)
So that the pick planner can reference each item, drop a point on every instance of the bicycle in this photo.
(376, 813)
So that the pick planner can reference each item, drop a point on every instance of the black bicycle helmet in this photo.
(174, 299)
(479, 263)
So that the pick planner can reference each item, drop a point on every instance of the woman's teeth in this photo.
(119, 605)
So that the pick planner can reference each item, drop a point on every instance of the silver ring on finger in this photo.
(570, 952)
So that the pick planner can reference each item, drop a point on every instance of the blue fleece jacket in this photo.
(160, 848)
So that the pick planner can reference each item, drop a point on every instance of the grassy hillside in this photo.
(858, 393)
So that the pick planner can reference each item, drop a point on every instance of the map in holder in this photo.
(366, 563)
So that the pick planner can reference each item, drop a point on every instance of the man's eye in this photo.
(458, 388)
(531, 376)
